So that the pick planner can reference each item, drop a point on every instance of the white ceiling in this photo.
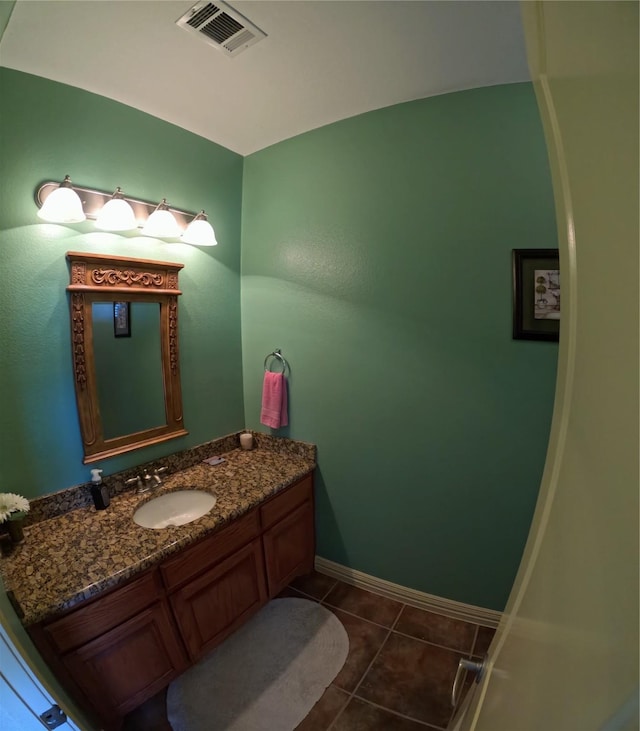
(322, 61)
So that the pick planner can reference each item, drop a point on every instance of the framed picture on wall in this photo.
(121, 320)
(536, 294)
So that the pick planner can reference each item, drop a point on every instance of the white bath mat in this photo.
(268, 675)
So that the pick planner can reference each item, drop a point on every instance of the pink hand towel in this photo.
(274, 400)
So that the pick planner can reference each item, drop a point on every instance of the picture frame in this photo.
(121, 320)
(536, 294)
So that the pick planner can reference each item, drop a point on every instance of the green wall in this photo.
(376, 252)
(46, 131)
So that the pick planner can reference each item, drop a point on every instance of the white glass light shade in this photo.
(63, 205)
(200, 232)
(161, 224)
(116, 215)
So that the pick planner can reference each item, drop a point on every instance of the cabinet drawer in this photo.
(193, 561)
(88, 622)
(283, 503)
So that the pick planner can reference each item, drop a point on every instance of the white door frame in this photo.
(23, 697)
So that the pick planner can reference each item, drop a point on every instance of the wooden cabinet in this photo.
(119, 649)
(211, 595)
(181, 568)
(102, 614)
(289, 538)
(212, 606)
(215, 585)
(132, 662)
(115, 651)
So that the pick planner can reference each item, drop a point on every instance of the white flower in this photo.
(12, 503)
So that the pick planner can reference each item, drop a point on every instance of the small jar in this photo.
(246, 441)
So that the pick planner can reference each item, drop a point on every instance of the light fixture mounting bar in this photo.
(94, 200)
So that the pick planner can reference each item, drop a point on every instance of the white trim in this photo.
(412, 597)
(25, 695)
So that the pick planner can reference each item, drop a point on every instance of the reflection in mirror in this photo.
(124, 337)
(128, 369)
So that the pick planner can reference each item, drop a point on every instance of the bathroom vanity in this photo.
(168, 596)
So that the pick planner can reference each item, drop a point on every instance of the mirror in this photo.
(124, 333)
(128, 367)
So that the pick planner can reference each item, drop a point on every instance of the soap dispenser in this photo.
(99, 491)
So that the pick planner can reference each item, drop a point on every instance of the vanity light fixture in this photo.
(200, 232)
(161, 224)
(63, 205)
(116, 214)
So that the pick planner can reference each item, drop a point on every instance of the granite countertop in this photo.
(79, 554)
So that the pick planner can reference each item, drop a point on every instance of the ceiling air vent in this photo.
(221, 26)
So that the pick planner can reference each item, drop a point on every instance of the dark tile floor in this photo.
(398, 673)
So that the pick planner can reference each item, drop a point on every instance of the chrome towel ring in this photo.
(278, 356)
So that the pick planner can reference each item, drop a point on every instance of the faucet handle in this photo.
(156, 475)
(140, 486)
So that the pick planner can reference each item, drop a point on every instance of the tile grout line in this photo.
(353, 614)
(391, 629)
(364, 674)
(458, 650)
(323, 600)
(400, 715)
(433, 644)
(331, 588)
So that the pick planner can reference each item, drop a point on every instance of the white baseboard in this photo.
(418, 599)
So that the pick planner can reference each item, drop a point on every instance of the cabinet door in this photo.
(129, 664)
(212, 606)
(289, 547)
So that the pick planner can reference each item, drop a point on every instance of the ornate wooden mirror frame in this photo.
(104, 278)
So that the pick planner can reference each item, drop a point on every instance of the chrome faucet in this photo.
(156, 475)
(144, 484)
(141, 487)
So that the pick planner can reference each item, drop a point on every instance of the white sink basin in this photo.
(174, 508)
